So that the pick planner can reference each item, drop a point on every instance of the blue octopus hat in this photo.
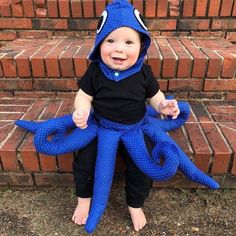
(119, 13)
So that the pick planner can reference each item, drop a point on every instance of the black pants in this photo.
(137, 186)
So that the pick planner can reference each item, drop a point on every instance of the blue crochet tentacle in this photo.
(169, 124)
(108, 142)
(193, 173)
(30, 126)
(135, 145)
(62, 142)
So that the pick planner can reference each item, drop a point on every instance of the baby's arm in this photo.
(164, 106)
(82, 107)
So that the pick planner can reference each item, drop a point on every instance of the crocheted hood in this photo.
(120, 13)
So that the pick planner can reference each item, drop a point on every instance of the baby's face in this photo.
(120, 49)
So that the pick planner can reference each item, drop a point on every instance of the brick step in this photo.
(41, 18)
(208, 138)
(179, 64)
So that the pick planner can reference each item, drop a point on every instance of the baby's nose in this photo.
(119, 47)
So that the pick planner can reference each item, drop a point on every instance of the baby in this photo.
(117, 85)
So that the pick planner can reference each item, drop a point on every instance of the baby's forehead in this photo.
(125, 32)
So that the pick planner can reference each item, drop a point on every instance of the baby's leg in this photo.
(137, 188)
(81, 211)
(83, 171)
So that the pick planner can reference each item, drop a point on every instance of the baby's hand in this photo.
(169, 107)
(80, 117)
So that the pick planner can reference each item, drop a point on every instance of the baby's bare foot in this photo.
(138, 218)
(82, 210)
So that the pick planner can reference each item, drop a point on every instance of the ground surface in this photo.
(170, 212)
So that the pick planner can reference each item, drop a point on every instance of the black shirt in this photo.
(122, 101)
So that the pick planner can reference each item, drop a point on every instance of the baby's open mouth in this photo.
(118, 59)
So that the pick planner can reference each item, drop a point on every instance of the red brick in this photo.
(201, 8)
(51, 24)
(231, 36)
(8, 64)
(47, 163)
(16, 84)
(184, 59)
(5, 9)
(224, 24)
(28, 8)
(162, 7)
(37, 60)
(29, 158)
(53, 8)
(226, 7)
(66, 107)
(22, 62)
(41, 12)
(80, 58)
(174, 7)
(179, 137)
(47, 179)
(39, 34)
(59, 84)
(214, 63)
(99, 7)
(65, 162)
(66, 59)
(202, 151)
(154, 59)
(218, 34)
(169, 24)
(7, 35)
(88, 8)
(214, 7)
(51, 60)
(194, 24)
(199, 59)
(169, 59)
(16, 179)
(230, 134)
(231, 96)
(5, 129)
(51, 109)
(188, 8)
(220, 85)
(12, 23)
(138, 4)
(16, 8)
(185, 85)
(150, 10)
(76, 8)
(229, 64)
(200, 111)
(221, 151)
(64, 9)
(234, 9)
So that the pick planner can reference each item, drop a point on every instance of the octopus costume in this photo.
(119, 13)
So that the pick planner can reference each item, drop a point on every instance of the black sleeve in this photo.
(86, 82)
(152, 84)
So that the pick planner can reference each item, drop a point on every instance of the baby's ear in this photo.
(142, 47)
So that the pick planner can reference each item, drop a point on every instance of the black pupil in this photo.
(100, 22)
(142, 19)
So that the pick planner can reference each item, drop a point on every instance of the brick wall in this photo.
(41, 18)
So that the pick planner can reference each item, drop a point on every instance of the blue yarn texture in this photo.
(109, 135)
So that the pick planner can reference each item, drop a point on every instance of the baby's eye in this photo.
(129, 42)
(110, 40)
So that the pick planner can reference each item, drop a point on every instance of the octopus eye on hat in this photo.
(119, 13)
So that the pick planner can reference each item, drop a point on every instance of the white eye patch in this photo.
(102, 21)
(139, 17)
